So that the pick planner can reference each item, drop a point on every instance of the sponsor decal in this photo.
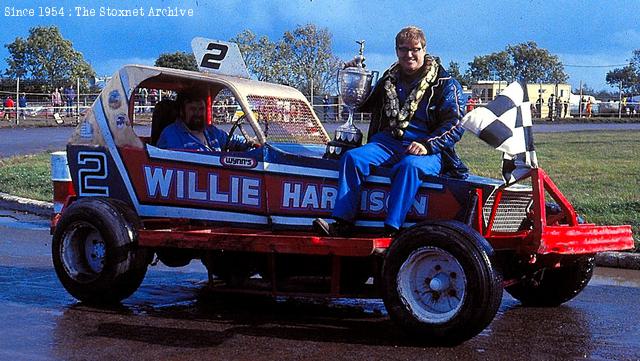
(322, 197)
(121, 120)
(86, 130)
(115, 99)
(238, 162)
(180, 184)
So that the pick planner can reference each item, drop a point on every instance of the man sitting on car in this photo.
(191, 132)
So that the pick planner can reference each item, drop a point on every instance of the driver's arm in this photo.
(237, 142)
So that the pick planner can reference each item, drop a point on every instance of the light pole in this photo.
(620, 101)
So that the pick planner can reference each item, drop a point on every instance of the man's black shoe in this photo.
(389, 232)
(339, 228)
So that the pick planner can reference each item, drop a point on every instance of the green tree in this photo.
(525, 60)
(535, 64)
(311, 59)
(261, 56)
(627, 77)
(586, 90)
(300, 58)
(48, 57)
(495, 66)
(177, 60)
(454, 71)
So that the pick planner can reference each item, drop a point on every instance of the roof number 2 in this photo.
(213, 58)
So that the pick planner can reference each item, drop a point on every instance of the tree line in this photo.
(302, 58)
(627, 78)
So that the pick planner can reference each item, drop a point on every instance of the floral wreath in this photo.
(399, 118)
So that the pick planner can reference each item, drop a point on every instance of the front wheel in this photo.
(439, 282)
(94, 251)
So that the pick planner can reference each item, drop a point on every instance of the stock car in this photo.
(120, 202)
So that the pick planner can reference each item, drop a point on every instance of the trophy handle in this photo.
(374, 77)
(338, 82)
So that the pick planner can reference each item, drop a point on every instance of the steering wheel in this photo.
(238, 125)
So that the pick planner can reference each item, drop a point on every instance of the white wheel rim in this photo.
(432, 284)
(83, 252)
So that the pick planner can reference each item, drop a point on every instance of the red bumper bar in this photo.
(585, 238)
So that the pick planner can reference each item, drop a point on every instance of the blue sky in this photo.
(586, 33)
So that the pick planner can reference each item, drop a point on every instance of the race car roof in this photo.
(165, 78)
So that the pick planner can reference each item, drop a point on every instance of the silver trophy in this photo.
(354, 85)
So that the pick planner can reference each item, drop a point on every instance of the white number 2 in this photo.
(92, 166)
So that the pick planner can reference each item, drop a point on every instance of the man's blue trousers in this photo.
(407, 170)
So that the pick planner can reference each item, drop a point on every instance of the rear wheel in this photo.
(439, 282)
(94, 251)
(553, 286)
(234, 268)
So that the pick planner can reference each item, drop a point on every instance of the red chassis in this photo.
(545, 237)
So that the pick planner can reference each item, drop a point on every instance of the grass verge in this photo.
(27, 176)
(599, 172)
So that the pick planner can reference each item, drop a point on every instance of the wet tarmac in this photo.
(173, 316)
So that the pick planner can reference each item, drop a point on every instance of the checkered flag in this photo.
(505, 123)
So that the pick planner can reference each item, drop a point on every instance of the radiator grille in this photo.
(286, 120)
(512, 210)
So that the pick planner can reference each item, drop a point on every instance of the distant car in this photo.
(247, 216)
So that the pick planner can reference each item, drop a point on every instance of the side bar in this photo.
(245, 240)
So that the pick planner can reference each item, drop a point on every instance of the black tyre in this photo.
(94, 251)
(439, 282)
(234, 268)
(554, 286)
(355, 273)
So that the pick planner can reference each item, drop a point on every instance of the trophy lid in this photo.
(358, 59)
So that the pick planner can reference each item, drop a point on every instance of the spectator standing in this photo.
(565, 106)
(69, 97)
(143, 94)
(56, 100)
(559, 107)
(153, 97)
(22, 104)
(588, 107)
(8, 104)
(551, 105)
(539, 104)
(471, 104)
(325, 107)
(231, 106)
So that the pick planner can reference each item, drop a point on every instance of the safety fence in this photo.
(40, 106)
(327, 109)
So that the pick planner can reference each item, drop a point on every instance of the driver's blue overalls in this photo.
(384, 150)
(177, 136)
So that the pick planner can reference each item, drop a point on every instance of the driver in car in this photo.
(190, 131)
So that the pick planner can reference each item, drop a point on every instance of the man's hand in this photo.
(416, 148)
(354, 63)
